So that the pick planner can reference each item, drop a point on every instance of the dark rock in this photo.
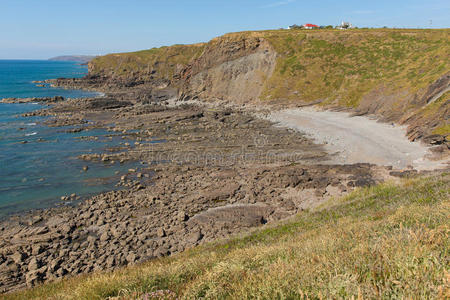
(434, 139)
(361, 182)
(403, 174)
(107, 103)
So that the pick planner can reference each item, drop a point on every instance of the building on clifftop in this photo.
(345, 25)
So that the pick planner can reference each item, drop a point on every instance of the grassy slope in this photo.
(343, 66)
(161, 62)
(388, 241)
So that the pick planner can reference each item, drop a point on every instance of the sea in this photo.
(39, 164)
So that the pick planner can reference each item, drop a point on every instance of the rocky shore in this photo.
(205, 174)
(33, 100)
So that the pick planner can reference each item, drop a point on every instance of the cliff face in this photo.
(233, 69)
(394, 74)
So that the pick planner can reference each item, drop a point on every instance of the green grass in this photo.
(153, 64)
(388, 241)
(344, 66)
(443, 130)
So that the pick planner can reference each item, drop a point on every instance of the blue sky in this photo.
(33, 29)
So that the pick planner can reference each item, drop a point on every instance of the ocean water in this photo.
(37, 173)
(17, 76)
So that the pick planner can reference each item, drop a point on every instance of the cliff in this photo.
(399, 75)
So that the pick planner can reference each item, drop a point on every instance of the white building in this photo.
(345, 25)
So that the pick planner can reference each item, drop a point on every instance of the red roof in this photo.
(310, 25)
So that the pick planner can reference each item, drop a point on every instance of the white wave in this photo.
(29, 134)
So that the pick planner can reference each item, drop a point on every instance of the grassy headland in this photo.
(387, 241)
(344, 66)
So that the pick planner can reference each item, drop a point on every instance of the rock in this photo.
(110, 261)
(32, 278)
(161, 251)
(194, 237)
(67, 228)
(361, 182)
(161, 232)
(37, 249)
(54, 265)
(41, 230)
(142, 237)
(34, 220)
(182, 217)
(104, 237)
(434, 139)
(18, 257)
(100, 221)
(403, 174)
(131, 258)
(91, 239)
(34, 264)
(85, 168)
(61, 272)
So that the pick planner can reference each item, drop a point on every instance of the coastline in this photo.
(219, 172)
(45, 140)
(18, 84)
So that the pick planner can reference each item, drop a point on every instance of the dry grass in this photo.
(388, 241)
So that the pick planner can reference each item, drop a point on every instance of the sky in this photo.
(31, 29)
